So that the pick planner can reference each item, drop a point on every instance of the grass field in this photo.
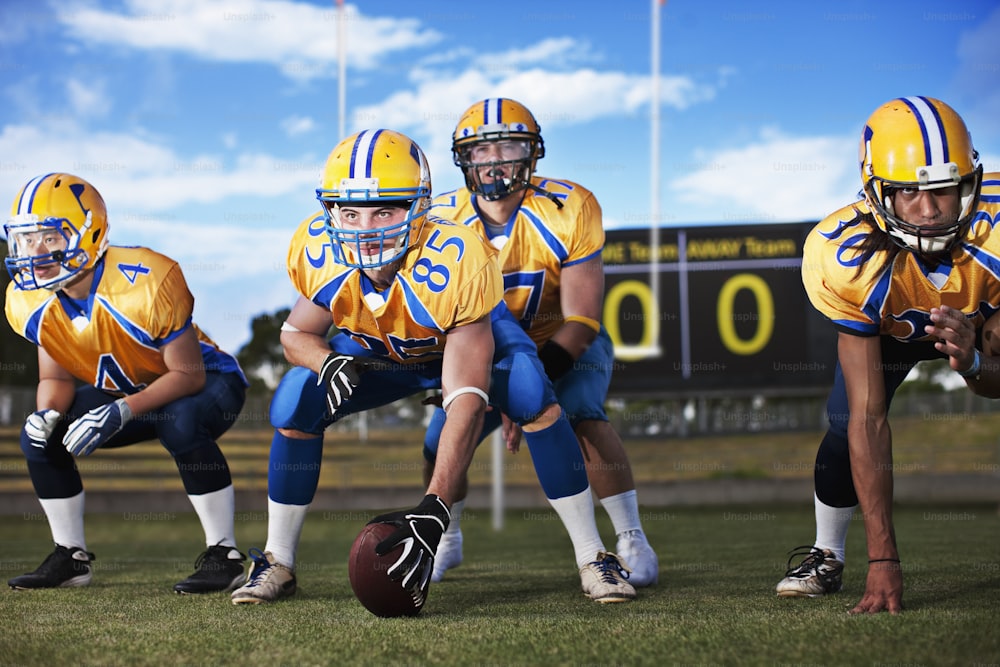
(516, 599)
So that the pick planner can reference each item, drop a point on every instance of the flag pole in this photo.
(341, 71)
(654, 171)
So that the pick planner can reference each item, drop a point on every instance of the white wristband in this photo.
(285, 326)
(973, 370)
(464, 390)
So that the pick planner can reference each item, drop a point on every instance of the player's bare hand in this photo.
(883, 590)
(511, 432)
(955, 336)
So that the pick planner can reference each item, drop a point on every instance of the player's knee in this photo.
(33, 453)
(293, 407)
(522, 388)
(545, 418)
(179, 428)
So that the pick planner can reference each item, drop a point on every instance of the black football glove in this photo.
(420, 531)
(339, 375)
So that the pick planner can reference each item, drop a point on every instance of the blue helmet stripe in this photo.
(940, 125)
(363, 149)
(931, 129)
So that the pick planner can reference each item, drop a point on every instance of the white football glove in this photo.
(96, 427)
(339, 376)
(39, 426)
(419, 531)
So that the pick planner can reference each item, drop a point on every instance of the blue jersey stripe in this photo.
(550, 240)
(133, 330)
(418, 311)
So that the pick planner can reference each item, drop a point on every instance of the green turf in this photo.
(516, 598)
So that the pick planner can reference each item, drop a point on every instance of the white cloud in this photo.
(298, 38)
(296, 125)
(556, 98)
(778, 178)
(88, 98)
(139, 174)
(553, 52)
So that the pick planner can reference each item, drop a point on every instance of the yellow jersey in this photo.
(447, 278)
(874, 298)
(535, 244)
(138, 302)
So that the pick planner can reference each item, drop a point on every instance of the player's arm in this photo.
(56, 387)
(870, 444)
(303, 335)
(465, 380)
(185, 375)
(581, 288)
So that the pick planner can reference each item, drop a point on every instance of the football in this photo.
(370, 580)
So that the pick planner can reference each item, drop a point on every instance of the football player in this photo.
(549, 235)
(118, 319)
(417, 303)
(908, 273)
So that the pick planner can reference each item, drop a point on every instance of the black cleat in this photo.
(218, 568)
(66, 566)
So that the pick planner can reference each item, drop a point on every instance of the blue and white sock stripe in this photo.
(27, 199)
(932, 129)
(362, 154)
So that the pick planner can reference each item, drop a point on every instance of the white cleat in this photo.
(634, 551)
(819, 573)
(449, 554)
(605, 579)
(268, 581)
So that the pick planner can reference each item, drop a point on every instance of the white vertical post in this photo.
(498, 447)
(341, 70)
(654, 171)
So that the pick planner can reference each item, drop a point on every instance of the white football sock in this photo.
(284, 528)
(577, 514)
(456, 517)
(215, 511)
(623, 509)
(65, 517)
(831, 527)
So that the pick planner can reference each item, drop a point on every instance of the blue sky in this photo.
(205, 124)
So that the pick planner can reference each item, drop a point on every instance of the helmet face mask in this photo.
(57, 230)
(369, 248)
(918, 144)
(497, 144)
(380, 170)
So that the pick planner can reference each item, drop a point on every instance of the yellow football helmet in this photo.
(919, 143)
(510, 126)
(374, 167)
(56, 220)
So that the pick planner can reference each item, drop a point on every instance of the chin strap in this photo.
(545, 193)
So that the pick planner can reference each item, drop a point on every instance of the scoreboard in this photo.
(731, 314)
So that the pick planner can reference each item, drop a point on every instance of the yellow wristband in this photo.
(591, 324)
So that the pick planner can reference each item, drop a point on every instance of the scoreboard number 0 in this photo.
(725, 314)
(650, 319)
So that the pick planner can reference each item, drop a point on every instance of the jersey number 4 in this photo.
(111, 377)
